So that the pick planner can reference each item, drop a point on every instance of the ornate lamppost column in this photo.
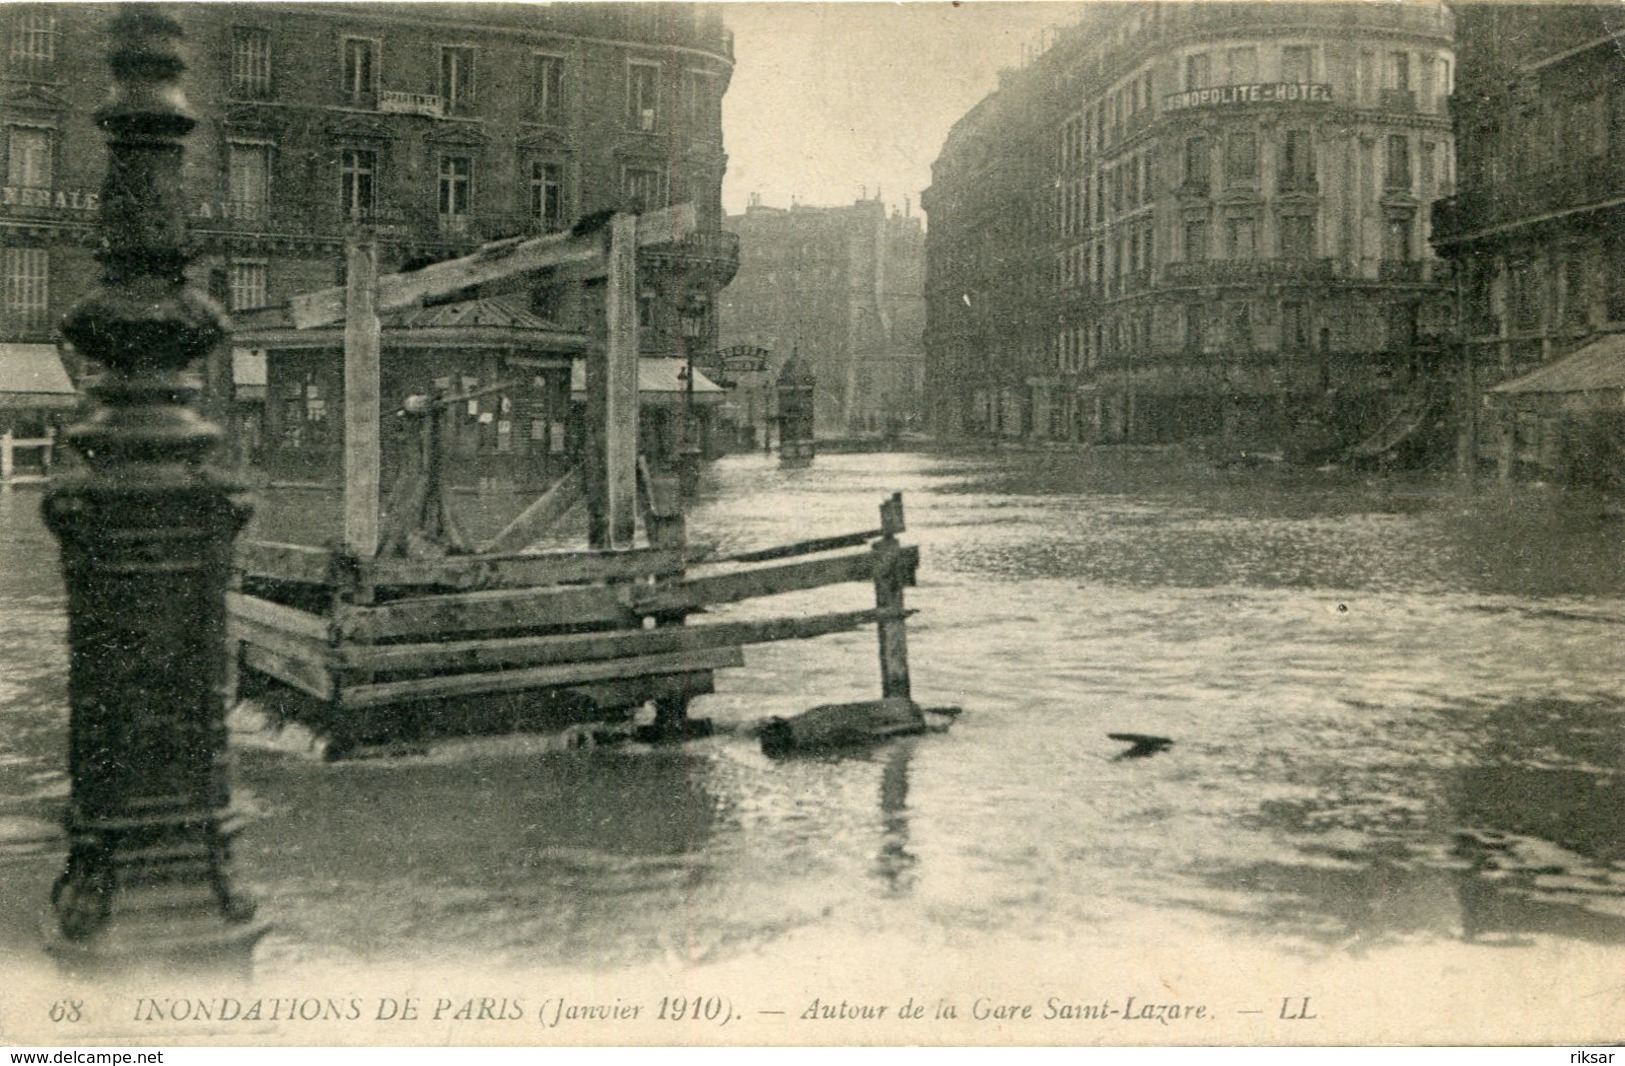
(146, 529)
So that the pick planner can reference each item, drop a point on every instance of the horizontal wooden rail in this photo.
(441, 687)
(473, 572)
(506, 652)
(276, 616)
(804, 547)
(518, 609)
(287, 562)
(493, 262)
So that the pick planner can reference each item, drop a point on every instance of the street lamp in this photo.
(691, 316)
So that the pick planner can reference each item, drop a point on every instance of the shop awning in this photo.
(32, 375)
(660, 381)
(1597, 367)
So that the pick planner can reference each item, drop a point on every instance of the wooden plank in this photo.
(287, 562)
(492, 262)
(559, 499)
(474, 572)
(276, 616)
(292, 672)
(584, 647)
(698, 592)
(428, 617)
(806, 547)
(315, 653)
(620, 397)
(361, 413)
(444, 686)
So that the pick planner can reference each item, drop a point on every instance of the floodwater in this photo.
(1396, 712)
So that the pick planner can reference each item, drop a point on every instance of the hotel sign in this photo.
(1269, 92)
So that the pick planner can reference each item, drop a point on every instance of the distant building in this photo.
(843, 286)
(1537, 228)
(1196, 220)
(432, 128)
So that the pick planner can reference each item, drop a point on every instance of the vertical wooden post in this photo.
(361, 401)
(892, 627)
(621, 408)
(612, 397)
(8, 459)
(146, 528)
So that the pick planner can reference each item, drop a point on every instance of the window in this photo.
(1297, 170)
(547, 195)
(1198, 73)
(1195, 240)
(248, 180)
(549, 86)
(1241, 237)
(27, 289)
(1399, 72)
(456, 78)
(1294, 327)
(1397, 174)
(644, 188)
(250, 61)
(33, 44)
(360, 71)
(643, 96)
(1241, 158)
(456, 187)
(1297, 236)
(357, 182)
(1195, 327)
(29, 154)
(1397, 238)
(247, 286)
(1298, 63)
(698, 101)
(1243, 65)
(1240, 325)
(1196, 163)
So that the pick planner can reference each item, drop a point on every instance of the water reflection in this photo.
(1439, 759)
(895, 863)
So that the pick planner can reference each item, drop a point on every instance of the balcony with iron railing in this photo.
(1247, 271)
(1403, 100)
(711, 254)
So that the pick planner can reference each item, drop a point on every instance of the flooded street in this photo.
(1396, 711)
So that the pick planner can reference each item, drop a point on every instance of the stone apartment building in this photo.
(1188, 220)
(430, 127)
(844, 287)
(1537, 230)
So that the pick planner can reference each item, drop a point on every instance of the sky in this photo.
(833, 101)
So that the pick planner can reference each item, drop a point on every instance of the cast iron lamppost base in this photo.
(146, 529)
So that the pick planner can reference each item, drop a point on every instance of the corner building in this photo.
(1226, 211)
(430, 127)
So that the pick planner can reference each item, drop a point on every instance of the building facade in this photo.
(430, 129)
(1189, 220)
(844, 287)
(1537, 231)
